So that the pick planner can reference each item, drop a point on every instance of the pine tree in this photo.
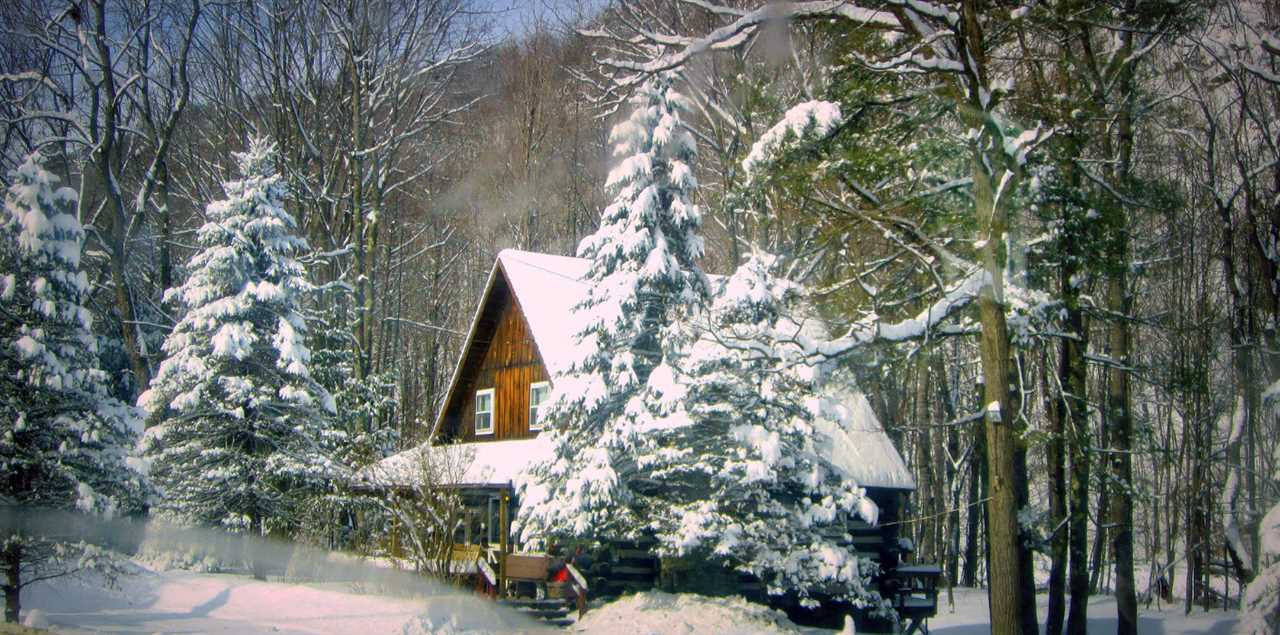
(740, 452)
(239, 414)
(643, 270)
(64, 440)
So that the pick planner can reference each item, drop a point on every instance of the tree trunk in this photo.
(1121, 432)
(1070, 417)
(118, 249)
(1026, 563)
(1072, 374)
(951, 563)
(356, 167)
(988, 166)
(124, 309)
(973, 512)
(1120, 419)
(257, 561)
(1097, 558)
(12, 562)
(1244, 409)
(166, 229)
(1056, 459)
(1005, 593)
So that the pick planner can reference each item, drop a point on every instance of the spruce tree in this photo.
(643, 270)
(64, 439)
(740, 454)
(238, 412)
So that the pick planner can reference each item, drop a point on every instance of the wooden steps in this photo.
(552, 611)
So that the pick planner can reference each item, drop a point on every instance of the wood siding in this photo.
(502, 357)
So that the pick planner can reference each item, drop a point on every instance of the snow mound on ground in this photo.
(466, 615)
(35, 618)
(655, 612)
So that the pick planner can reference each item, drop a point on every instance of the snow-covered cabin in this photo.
(520, 339)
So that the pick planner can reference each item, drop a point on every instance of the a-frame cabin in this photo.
(518, 335)
(519, 339)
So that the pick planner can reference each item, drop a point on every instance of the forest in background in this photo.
(416, 141)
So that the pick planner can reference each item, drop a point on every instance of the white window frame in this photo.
(535, 422)
(493, 407)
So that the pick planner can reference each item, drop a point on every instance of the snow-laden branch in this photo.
(870, 329)
(745, 25)
(812, 119)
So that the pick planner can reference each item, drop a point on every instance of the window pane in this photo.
(495, 521)
(484, 411)
(538, 394)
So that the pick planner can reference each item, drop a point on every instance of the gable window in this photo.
(484, 411)
(539, 392)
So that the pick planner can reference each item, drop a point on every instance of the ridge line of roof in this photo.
(515, 253)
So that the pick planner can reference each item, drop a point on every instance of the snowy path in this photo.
(186, 602)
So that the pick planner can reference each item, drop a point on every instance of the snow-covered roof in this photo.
(856, 443)
(483, 464)
(547, 288)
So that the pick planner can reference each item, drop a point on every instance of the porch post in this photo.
(503, 544)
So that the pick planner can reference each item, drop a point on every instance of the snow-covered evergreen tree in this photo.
(64, 440)
(238, 410)
(740, 453)
(643, 270)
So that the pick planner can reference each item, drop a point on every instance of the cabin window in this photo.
(495, 521)
(538, 394)
(484, 411)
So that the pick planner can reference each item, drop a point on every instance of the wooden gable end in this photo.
(500, 355)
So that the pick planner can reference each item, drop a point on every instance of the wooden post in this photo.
(503, 545)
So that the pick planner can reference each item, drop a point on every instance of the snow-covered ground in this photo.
(657, 613)
(970, 617)
(187, 602)
(151, 601)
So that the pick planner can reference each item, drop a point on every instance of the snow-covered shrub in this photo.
(430, 512)
(238, 411)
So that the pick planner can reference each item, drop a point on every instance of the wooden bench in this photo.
(527, 568)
